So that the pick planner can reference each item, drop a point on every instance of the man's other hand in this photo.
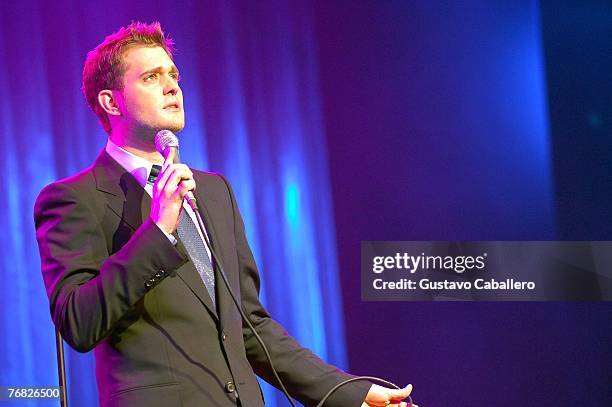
(379, 396)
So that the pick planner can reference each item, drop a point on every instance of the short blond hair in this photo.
(104, 66)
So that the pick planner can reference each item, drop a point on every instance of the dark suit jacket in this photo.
(118, 286)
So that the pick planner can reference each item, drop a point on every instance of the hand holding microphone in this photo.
(174, 184)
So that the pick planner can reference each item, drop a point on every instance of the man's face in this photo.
(151, 99)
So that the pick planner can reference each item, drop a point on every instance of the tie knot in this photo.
(155, 169)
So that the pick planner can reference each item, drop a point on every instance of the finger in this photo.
(164, 176)
(186, 186)
(184, 181)
(399, 394)
(161, 180)
(177, 173)
(167, 162)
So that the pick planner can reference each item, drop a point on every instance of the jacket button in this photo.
(158, 275)
(230, 387)
(148, 285)
(224, 337)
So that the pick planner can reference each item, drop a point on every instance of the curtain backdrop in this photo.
(249, 75)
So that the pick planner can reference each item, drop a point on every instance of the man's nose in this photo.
(170, 86)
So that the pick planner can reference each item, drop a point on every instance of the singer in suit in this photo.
(127, 271)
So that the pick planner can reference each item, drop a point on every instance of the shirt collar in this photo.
(137, 166)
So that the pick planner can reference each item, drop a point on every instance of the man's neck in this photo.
(139, 148)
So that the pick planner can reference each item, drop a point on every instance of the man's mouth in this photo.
(172, 106)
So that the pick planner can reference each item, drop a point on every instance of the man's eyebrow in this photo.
(159, 69)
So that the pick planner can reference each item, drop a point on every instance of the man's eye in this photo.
(150, 76)
(175, 76)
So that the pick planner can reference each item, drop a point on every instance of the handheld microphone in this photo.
(167, 144)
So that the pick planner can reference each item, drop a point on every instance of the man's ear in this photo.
(107, 100)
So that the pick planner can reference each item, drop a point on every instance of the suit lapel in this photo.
(124, 195)
(130, 202)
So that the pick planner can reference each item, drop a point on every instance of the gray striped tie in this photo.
(189, 236)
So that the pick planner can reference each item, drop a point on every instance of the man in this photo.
(127, 270)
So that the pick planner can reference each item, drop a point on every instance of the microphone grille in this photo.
(164, 139)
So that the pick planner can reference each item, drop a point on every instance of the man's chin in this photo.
(173, 127)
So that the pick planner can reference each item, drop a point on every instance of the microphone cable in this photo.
(165, 139)
(242, 314)
(167, 144)
(261, 342)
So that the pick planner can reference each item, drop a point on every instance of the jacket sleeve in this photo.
(305, 375)
(89, 290)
